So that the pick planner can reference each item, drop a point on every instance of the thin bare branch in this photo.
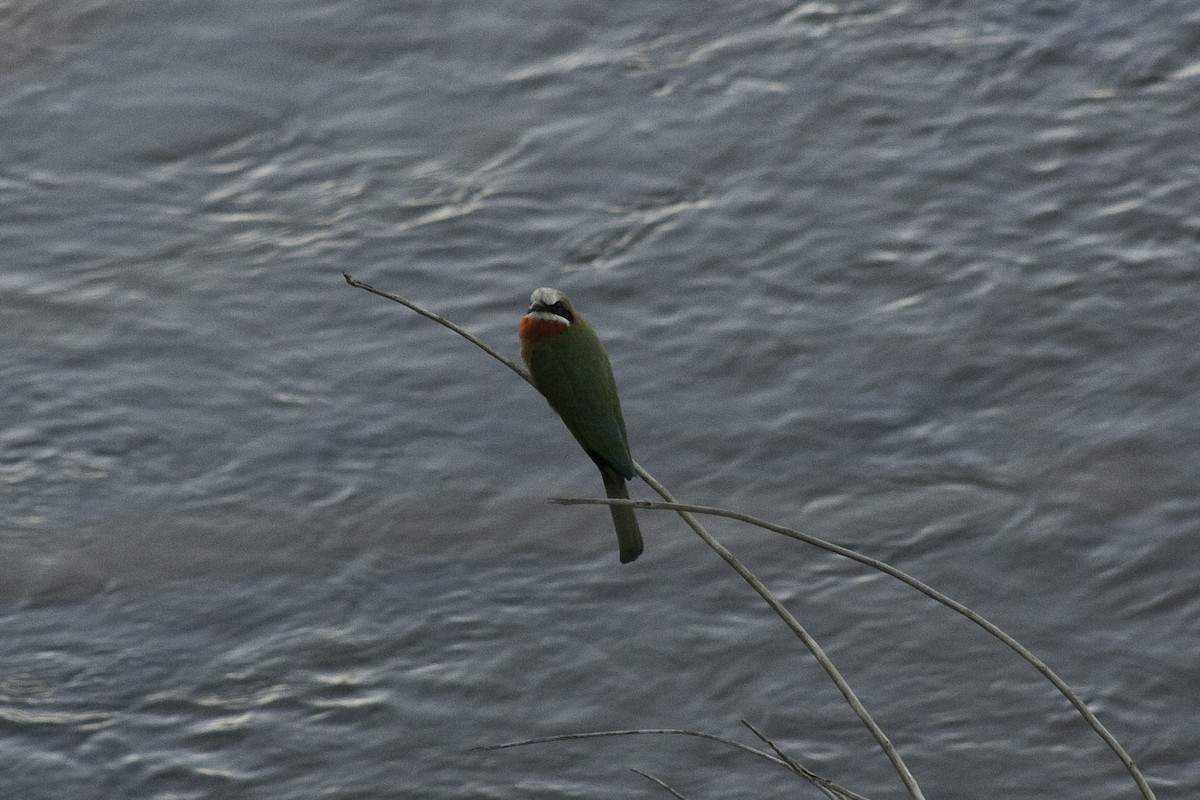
(831, 790)
(889, 750)
(929, 591)
(424, 312)
(660, 782)
(636, 732)
(828, 787)
(685, 511)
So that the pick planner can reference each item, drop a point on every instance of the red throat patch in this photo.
(533, 328)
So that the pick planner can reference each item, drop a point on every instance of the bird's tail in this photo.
(629, 535)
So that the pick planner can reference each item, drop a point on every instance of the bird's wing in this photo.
(582, 390)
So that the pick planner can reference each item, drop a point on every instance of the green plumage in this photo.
(629, 535)
(572, 370)
(574, 374)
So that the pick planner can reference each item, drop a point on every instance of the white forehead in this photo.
(546, 296)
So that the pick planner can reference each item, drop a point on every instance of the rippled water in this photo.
(918, 278)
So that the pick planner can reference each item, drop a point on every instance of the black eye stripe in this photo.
(561, 310)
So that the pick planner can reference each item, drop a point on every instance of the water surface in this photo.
(916, 278)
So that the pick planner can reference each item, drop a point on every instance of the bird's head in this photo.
(551, 305)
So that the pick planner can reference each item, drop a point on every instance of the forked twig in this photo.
(686, 510)
(889, 750)
(782, 760)
(828, 787)
(924, 588)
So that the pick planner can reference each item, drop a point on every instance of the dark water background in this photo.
(918, 277)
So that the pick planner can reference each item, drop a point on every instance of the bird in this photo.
(570, 368)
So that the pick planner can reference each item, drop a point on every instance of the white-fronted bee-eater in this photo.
(569, 366)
